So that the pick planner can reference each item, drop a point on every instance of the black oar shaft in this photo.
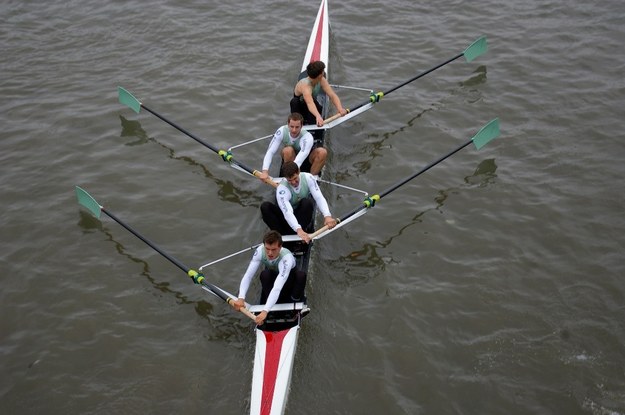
(483, 136)
(214, 289)
(196, 138)
(176, 126)
(406, 180)
(147, 241)
(423, 170)
(96, 209)
(422, 74)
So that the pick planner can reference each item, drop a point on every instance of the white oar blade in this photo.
(88, 202)
(486, 134)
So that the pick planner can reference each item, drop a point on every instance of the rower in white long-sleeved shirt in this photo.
(294, 210)
(281, 281)
(298, 146)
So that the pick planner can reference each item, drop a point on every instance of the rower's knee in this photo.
(319, 154)
(288, 153)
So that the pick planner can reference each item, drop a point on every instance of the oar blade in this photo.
(128, 99)
(486, 134)
(476, 49)
(88, 202)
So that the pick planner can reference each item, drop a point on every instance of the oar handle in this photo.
(332, 118)
(199, 278)
(244, 310)
(268, 180)
(318, 232)
(248, 313)
(321, 230)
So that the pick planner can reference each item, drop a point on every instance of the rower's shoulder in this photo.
(325, 85)
(303, 84)
(303, 81)
(282, 189)
(280, 130)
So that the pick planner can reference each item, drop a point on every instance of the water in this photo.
(491, 284)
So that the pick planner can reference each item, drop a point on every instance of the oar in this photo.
(96, 210)
(474, 50)
(134, 104)
(485, 135)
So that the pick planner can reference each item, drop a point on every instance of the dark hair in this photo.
(289, 169)
(271, 237)
(295, 116)
(314, 69)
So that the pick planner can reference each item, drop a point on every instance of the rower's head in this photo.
(273, 243)
(290, 169)
(295, 122)
(315, 69)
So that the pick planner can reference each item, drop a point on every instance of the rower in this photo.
(298, 146)
(305, 93)
(281, 281)
(294, 210)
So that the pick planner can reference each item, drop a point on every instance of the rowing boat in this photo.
(276, 339)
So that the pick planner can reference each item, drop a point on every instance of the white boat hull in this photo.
(318, 45)
(273, 366)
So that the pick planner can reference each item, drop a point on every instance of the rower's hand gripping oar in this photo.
(475, 49)
(483, 137)
(134, 104)
(96, 210)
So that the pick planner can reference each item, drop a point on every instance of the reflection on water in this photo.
(469, 89)
(133, 128)
(228, 191)
(366, 263)
(484, 174)
(373, 150)
(226, 323)
(88, 223)
(477, 79)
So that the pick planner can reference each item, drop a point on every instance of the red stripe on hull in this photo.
(272, 359)
(316, 53)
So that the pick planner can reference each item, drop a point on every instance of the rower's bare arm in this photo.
(260, 318)
(302, 234)
(334, 98)
(329, 221)
(310, 103)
